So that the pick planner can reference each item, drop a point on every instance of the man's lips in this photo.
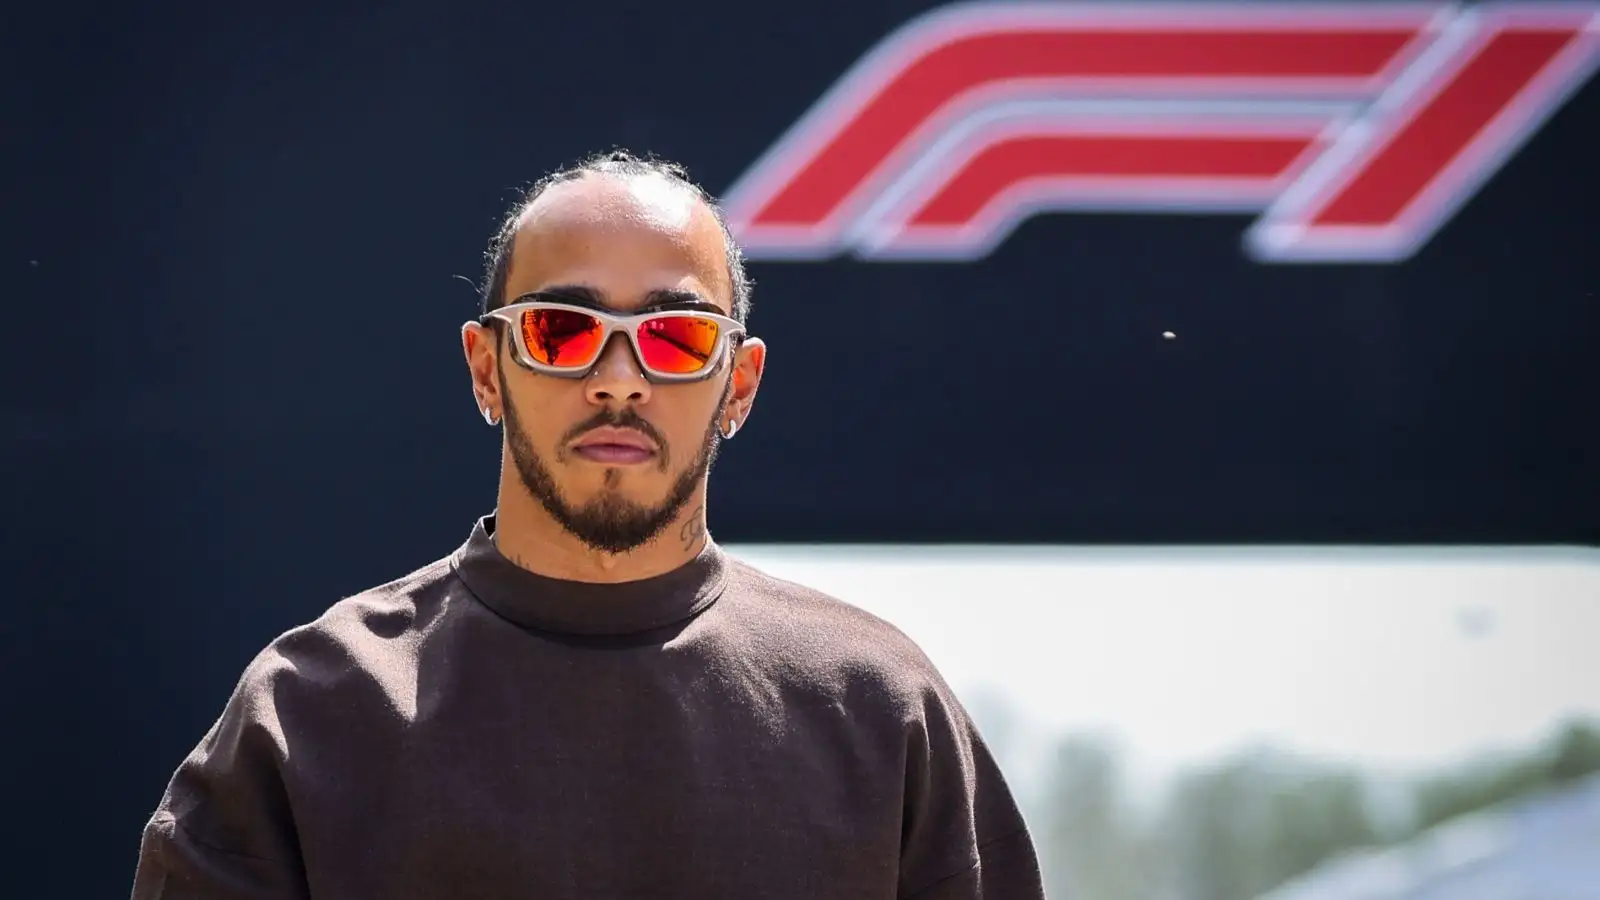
(615, 446)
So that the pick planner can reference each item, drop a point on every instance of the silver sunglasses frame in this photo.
(728, 328)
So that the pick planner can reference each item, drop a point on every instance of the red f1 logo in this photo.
(1355, 129)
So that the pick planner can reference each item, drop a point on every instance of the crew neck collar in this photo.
(586, 607)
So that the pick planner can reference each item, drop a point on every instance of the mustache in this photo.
(607, 418)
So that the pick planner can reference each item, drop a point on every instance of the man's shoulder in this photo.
(361, 637)
(803, 626)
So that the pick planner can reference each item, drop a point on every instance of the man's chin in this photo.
(627, 486)
(614, 504)
(613, 522)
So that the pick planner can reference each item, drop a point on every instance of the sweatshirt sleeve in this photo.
(964, 836)
(223, 830)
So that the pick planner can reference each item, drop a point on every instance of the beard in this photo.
(609, 522)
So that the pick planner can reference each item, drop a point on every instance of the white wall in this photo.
(1395, 658)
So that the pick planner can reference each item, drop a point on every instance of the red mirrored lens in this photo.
(678, 345)
(561, 337)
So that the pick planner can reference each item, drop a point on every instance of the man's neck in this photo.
(526, 534)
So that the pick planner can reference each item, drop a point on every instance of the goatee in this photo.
(610, 522)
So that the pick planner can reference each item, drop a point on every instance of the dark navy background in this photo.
(233, 390)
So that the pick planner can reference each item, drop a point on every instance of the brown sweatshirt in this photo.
(476, 730)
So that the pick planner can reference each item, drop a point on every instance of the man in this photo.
(589, 699)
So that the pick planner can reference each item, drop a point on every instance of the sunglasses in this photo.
(562, 339)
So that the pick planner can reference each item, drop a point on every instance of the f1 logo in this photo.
(1355, 129)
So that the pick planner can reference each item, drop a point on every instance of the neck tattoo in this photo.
(694, 529)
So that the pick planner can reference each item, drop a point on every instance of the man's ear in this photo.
(481, 348)
(749, 364)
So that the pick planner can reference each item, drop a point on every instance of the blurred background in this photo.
(1265, 579)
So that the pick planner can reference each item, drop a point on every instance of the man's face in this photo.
(612, 457)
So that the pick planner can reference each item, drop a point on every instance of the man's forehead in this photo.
(604, 197)
(620, 222)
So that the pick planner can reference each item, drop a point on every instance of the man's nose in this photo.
(616, 375)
